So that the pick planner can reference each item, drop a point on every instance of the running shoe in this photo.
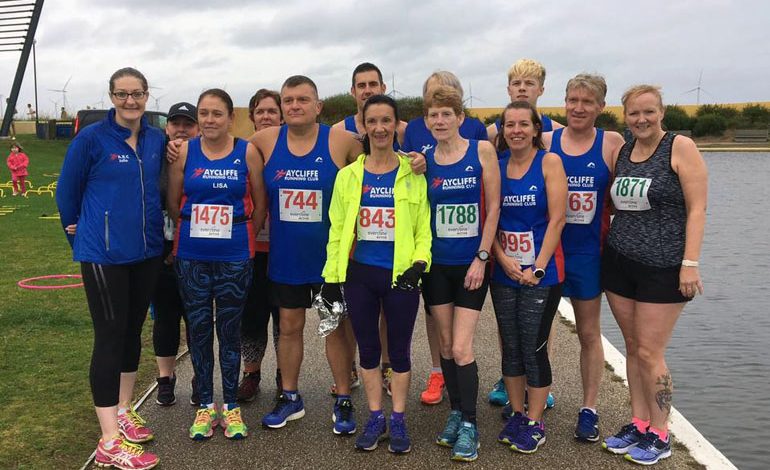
(466, 449)
(550, 401)
(355, 382)
(344, 418)
(232, 422)
(498, 396)
(285, 410)
(531, 436)
(206, 420)
(387, 377)
(195, 399)
(133, 428)
(627, 438)
(124, 455)
(587, 428)
(399, 437)
(512, 427)
(448, 436)
(249, 386)
(434, 391)
(165, 396)
(649, 450)
(373, 433)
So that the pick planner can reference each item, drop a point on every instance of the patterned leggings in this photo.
(201, 284)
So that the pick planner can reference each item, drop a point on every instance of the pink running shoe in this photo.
(124, 455)
(133, 428)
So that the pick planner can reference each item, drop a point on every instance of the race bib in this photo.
(519, 246)
(264, 234)
(376, 224)
(630, 194)
(168, 227)
(300, 205)
(457, 220)
(581, 207)
(211, 221)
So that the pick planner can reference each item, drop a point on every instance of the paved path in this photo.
(309, 442)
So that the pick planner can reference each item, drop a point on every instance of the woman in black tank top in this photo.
(650, 263)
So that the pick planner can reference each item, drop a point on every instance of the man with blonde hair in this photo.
(526, 82)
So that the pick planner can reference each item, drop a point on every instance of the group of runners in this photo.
(367, 214)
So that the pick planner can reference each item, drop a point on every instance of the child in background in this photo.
(18, 163)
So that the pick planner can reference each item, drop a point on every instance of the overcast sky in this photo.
(186, 46)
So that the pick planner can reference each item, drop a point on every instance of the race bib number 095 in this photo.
(376, 224)
(457, 220)
(519, 246)
(581, 207)
(300, 205)
(211, 221)
(630, 194)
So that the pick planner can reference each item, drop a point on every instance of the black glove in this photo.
(410, 279)
(332, 292)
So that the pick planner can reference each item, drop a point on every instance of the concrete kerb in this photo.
(700, 448)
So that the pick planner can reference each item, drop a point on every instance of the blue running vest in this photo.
(300, 190)
(376, 222)
(587, 180)
(456, 206)
(210, 188)
(523, 221)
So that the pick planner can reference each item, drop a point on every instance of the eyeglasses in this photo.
(136, 95)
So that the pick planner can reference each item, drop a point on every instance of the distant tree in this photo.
(337, 107)
(676, 119)
(756, 114)
(560, 118)
(709, 124)
(724, 111)
(409, 107)
(491, 119)
(608, 121)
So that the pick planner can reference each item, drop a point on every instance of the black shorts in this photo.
(444, 284)
(643, 283)
(293, 296)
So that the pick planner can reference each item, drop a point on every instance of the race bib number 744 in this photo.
(300, 205)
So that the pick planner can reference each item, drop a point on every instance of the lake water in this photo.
(719, 352)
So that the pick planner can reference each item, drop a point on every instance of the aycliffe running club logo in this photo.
(296, 175)
(449, 184)
(119, 158)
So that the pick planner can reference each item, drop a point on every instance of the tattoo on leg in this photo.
(663, 397)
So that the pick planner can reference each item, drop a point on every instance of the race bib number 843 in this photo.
(376, 224)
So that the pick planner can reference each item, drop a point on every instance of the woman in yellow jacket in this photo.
(383, 206)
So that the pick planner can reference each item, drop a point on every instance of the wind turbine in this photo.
(393, 92)
(470, 98)
(698, 89)
(55, 107)
(63, 92)
(157, 102)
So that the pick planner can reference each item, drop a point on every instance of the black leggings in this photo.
(168, 311)
(118, 297)
(257, 313)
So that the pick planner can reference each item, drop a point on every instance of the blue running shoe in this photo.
(373, 433)
(399, 437)
(466, 449)
(531, 436)
(649, 450)
(448, 436)
(587, 428)
(285, 410)
(343, 417)
(512, 427)
(550, 402)
(498, 396)
(507, 412)
(627, 438)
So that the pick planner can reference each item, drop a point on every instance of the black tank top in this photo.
(654, 236)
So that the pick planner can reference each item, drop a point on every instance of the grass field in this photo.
(46, 418)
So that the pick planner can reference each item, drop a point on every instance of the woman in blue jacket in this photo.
(108, 188)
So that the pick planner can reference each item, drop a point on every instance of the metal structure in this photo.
(18, 24)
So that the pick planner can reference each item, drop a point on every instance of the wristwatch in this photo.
(539, 273)
(483, 255)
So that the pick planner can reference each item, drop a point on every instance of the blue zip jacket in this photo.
(111, 193)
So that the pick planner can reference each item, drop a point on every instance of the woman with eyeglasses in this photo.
(108, 188)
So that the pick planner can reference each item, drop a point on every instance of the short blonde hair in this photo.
(592, 82)
(443, 77)
(441, 96)
(638, 90)
(527, 68)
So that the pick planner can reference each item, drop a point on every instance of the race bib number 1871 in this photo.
(630, 194)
